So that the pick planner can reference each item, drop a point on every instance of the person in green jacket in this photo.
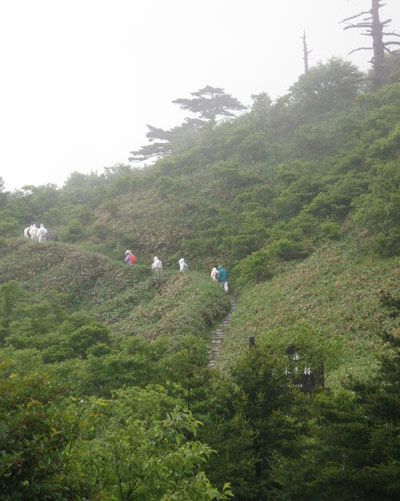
(222, 277)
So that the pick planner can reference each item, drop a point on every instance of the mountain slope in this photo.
(337, 301)
(131, 300)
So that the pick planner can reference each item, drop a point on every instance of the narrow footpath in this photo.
(217, 335)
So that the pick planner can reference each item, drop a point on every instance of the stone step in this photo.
(217, 336)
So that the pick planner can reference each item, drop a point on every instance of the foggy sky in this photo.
(82, 78)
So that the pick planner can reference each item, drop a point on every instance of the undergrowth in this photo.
(335, 299)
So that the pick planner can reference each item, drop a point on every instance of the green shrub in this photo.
(254, 268)
(10, 228)
(329, 230)
(287, 249)
(73, 232)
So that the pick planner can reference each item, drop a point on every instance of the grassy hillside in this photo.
(131, 300)
(278, 181)
(85, 279)
(258, 194)
(299, 199)
(279, 185)
(337, 301)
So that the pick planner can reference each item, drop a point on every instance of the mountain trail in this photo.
(217, 335)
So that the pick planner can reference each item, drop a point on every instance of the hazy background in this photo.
(80, 79)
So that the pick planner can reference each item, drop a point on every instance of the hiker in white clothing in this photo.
(214, 273)
(42, 233)
(34, 232)
(157, 265)
(182, 265)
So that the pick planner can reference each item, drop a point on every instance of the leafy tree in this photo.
(393, 66)
(85, 189)
(338, 198)
(186, 368)
(38, 428)
(84, 340)
(377, 211)
(34, 323)
(210, 103)
(10, 296)
(47, 327)
(351, 446)
(255, 267)
(152, 459)
(227, 431)
(163, 142)
(325, 88)
(260, 112)
(262, 398)
(3, 194)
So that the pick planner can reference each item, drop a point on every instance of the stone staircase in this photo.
(217, 335)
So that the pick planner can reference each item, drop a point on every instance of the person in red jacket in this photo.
(129, 257)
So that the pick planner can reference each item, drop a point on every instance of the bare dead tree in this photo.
(306, 52)
(370, 21)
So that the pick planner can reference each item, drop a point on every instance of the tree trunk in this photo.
(305, 53)
(378, 60)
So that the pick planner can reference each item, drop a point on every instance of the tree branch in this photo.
(360, 48)
(359, 25)
(353, 17)
(391, 34)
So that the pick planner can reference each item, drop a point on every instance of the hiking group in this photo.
(35, 233)
(218, 274)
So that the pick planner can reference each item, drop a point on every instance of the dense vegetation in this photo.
(107, 393)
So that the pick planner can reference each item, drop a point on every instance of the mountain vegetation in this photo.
(106, 389)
